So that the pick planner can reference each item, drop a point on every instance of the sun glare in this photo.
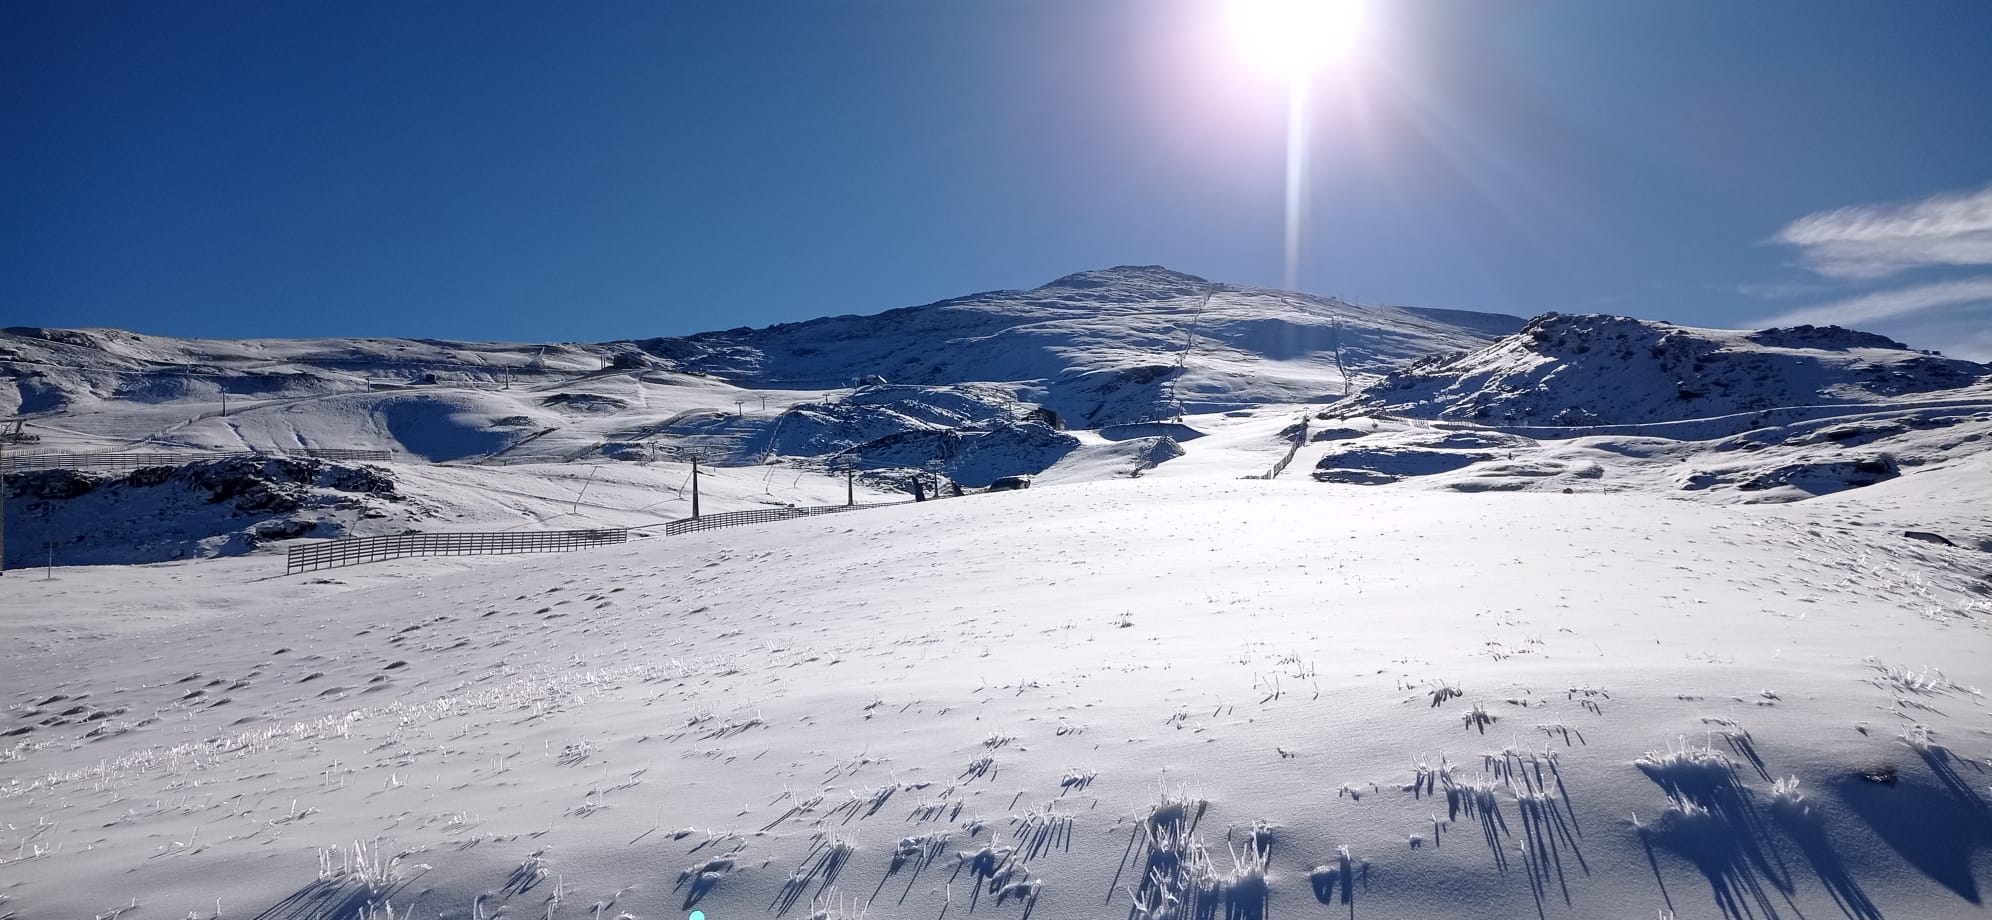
(1291, 38)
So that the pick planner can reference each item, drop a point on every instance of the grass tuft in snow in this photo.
(1339, 880)
(1695, 774)
(1926, 681)
(1786, 794)
(832, 905)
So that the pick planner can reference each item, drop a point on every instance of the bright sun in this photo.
(1293, 37)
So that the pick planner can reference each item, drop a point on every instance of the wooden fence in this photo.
(17, 463)
(759, 516)
(1299, 438)
(355, 551)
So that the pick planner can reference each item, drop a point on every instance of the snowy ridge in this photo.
(1605, 403)
(1577, 371)
(1099, 347)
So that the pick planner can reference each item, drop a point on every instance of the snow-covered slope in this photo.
(974, 388)
(1151, 698)
(1604, 403)
(1851, 448)
(1122, 344)
(1101, 347)
(1611, 370)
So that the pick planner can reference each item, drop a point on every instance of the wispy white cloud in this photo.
(1776, 291)
(1875, 241)
(1893, 304)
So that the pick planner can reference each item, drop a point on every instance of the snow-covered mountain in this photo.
(974, 388)
(1583, 370)
(1106, 374)
(1246, 647)
(1125, 344)
(1609, 403)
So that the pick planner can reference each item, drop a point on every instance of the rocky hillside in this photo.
(199, 509)
(1592, 370)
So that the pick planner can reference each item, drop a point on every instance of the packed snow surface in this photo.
(1240, 698)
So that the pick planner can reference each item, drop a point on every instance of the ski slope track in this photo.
(1583, 617)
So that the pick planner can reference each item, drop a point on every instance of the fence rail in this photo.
(360, 550)
(17, 463)
(333, 553)
(1299, 438)
(759, 516)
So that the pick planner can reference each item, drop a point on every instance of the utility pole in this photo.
(739, 407)
(764, 404)
(695, 487)
(584, 490)
(49, 573)
(1338, 356)
(3, 507)
(224, 402)
(850, 488)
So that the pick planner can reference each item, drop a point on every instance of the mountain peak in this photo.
(1120, 275)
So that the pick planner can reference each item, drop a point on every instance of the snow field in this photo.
(1151, 698)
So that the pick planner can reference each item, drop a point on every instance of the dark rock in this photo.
(54, 485)
(148, 476)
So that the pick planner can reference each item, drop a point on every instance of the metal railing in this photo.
(16, 463)
(355, 551)
(759, 516)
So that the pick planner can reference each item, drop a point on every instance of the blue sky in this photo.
(590, 171)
